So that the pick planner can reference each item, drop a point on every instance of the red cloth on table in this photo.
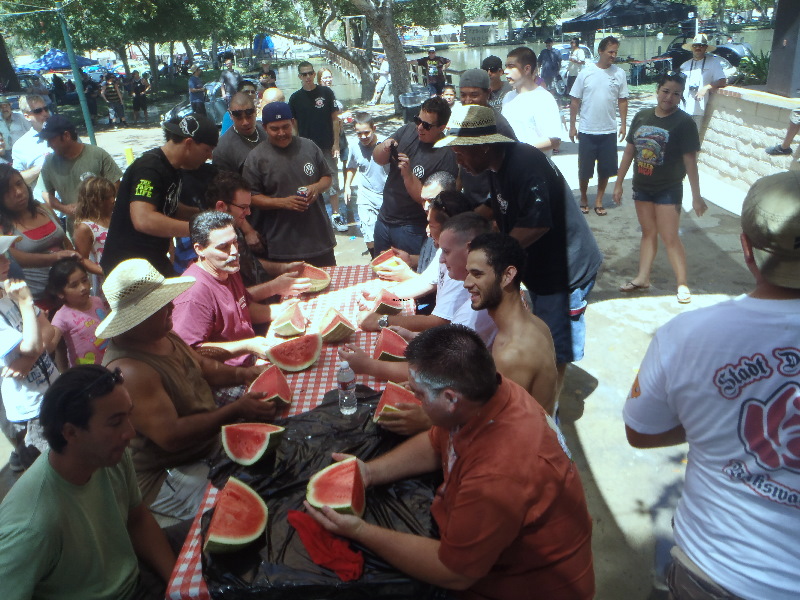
(326, 549)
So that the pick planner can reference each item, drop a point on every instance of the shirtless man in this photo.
(523, 349)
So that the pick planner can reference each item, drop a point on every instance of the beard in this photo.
(490, 298)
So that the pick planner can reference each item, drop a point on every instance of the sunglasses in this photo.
(307, 74)
(699, 45)
(495, 70)
(245, 112)
(103, 384)
(425, 125)
(40, 110)
(439, 205)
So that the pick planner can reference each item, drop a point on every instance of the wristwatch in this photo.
(383, 321)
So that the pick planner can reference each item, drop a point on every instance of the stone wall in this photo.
(740, 124)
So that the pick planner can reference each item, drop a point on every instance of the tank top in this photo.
(53, 241)
(111, 93)
(99, 234)
(184, 384)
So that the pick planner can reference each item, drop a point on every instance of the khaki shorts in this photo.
(794, 118)
(687, 581)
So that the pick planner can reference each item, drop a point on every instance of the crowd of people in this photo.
(135, 305)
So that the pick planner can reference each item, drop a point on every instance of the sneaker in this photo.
(778, 150)
(15, 463)
(338, 223)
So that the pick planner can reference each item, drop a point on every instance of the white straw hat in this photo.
(135, 291)
(470, 125)
(700, 38)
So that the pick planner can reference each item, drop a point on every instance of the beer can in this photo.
(303, 192)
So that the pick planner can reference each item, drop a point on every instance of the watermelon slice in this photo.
(240, 517)
(387, 303)
(393, 395)
(273, 382)
(296, 354)
(247, 443)
(335, 327)
(390, 346)
(319, 279)
(290, 322)
(387, 258)
(339, 486)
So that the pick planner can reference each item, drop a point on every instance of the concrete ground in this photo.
(631, 493)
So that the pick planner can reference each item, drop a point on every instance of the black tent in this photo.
(623, 13)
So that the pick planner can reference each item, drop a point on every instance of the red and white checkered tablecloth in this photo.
(308, 388)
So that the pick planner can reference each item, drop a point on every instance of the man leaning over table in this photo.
(176, 420)
(74, 526)
(507, 527)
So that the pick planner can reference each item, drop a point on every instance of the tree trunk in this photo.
(170, 73)
(8, 77)
(381, 19)
(123, 56)
(214, 50)
(188, 49)
(152, 59)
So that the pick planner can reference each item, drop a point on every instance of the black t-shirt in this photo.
(434, 68)
(233, 148)
(398, 207)
(529, 192)
(152, 179)
(314, 114)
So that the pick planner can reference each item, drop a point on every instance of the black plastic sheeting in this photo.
(277, 566)
(624, 13)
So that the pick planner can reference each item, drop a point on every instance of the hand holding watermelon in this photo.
(395, 272)
(347, 526)
(290, 284)
(404, 333)
(251, 407)
(409, 419)
(355, 357)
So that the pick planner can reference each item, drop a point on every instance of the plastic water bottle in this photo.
(346, 379)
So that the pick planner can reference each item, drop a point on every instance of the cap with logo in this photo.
(198, 127)
(771, 221)
(276, 111)
(55, 126)
(491, 63)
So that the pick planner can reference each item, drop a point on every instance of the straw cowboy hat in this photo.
(135, 291)
(470, 125)
(700, 38)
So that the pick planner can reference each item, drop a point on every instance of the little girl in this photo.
(92, 215)
(78, 318)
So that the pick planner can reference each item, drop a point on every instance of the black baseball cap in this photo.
(201, 129)
(55, 126)
(491, 63)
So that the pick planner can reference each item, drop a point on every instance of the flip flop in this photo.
(585, 209)
(684, 295)
(632, 287)
(599, 211)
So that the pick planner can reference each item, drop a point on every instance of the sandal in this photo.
(585, 209)
(684, 295)
(632, 287)
(600, 211)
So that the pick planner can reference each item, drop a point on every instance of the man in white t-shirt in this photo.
(529, 108)
(30, 150)
(703, 73)
(727, 379)
(598, 90)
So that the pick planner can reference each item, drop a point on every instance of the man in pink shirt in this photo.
(216, 315)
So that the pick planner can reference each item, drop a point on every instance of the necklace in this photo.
(251, 140)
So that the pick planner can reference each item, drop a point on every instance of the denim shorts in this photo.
(673, 195)
(564, 315)
(599, 148)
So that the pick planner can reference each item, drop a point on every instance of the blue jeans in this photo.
(408, 237)
(564, 315)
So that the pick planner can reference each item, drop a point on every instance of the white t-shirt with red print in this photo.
(730, 375)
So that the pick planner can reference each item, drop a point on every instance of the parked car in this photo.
(215, 105)
(560, 81)
(730, 54)
(30, 83)
(96, 72)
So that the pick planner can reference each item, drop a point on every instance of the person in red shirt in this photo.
(507, 526)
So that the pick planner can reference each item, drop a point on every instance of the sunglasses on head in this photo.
(425, 125)
(439, 205)
(40, 110)
(103, 384)
(245, 112)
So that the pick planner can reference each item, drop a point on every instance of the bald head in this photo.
(273, 95)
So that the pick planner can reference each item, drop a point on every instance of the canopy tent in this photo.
(54, 60)
(623, 13)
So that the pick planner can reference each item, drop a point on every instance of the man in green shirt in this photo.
(74, 525)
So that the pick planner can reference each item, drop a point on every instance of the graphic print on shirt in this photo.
(319, 102)
(650, 142)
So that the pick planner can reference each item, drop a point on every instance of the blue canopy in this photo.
(55, 60)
